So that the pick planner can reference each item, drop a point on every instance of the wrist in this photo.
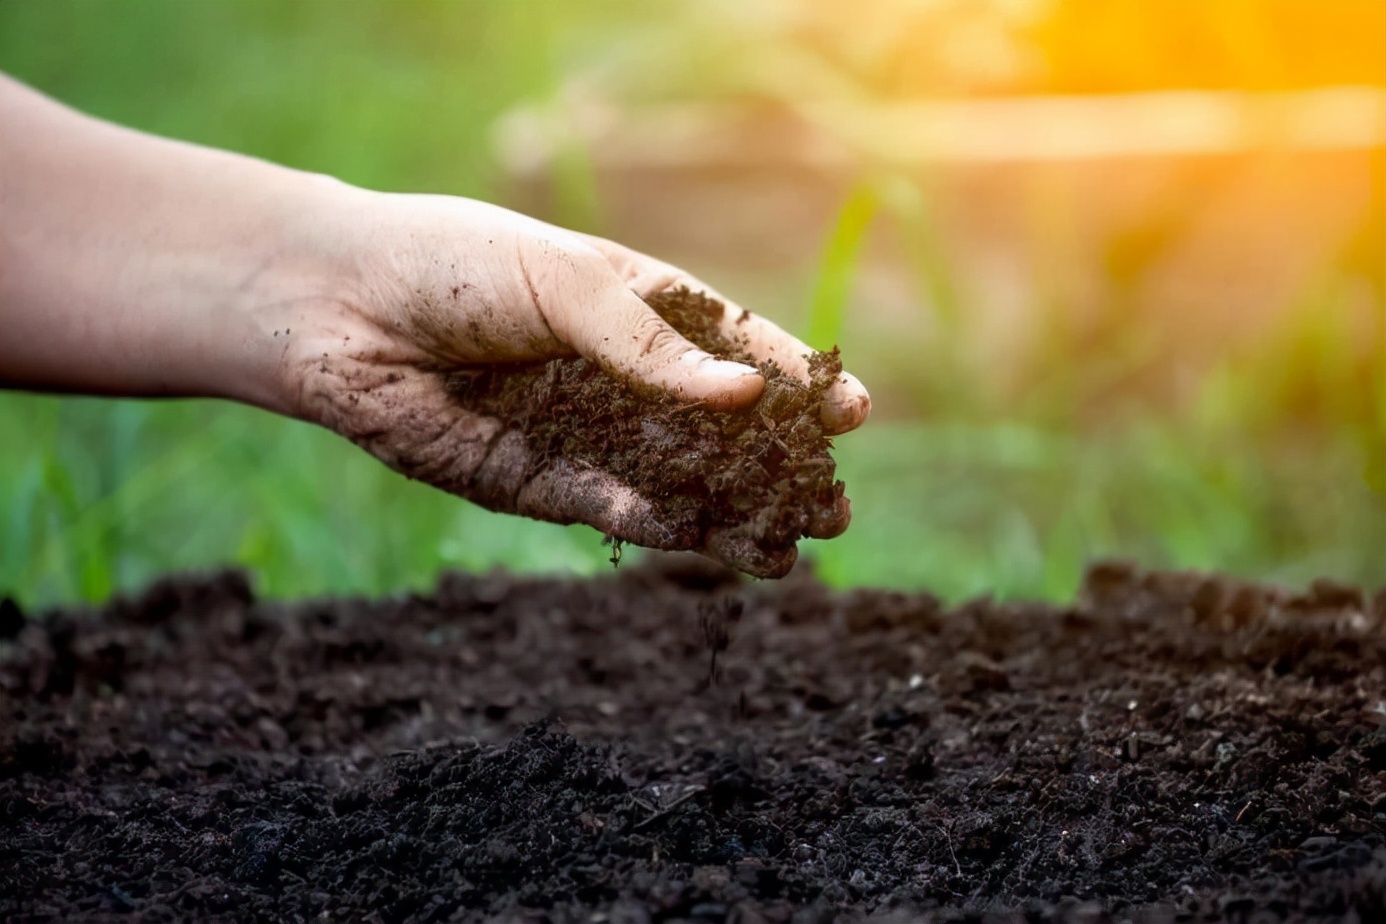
(139, 266)
(297, 303)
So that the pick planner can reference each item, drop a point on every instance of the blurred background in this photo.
(1114, 271)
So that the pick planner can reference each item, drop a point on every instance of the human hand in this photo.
(134, 265)
(434, 284)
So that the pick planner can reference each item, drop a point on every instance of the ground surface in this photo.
(1167, 748)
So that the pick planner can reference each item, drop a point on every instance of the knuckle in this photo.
(569, 256)
(657, 340)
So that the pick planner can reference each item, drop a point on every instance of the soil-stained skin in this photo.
(761, 476)
(670, 744)
(565, 441)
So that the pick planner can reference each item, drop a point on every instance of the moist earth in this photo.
(763, 471)
(669, 743)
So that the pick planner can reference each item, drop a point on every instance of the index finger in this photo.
(846, 404)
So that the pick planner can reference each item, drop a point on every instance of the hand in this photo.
(437, 283)
(134, 265)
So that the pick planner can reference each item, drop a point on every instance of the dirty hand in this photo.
(433, 284)
(134, 265)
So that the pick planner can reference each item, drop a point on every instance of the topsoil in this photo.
(670, 744)
(763, 471)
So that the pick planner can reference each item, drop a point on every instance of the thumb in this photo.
(640, 345)
(606, 322)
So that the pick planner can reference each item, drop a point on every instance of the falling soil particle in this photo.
(764, 471)
(1171, 748)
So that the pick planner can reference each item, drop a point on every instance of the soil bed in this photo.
(1168, 748)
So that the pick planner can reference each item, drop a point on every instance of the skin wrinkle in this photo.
(330, 396)
(252, 278)
(421, 435)
(538, 303)
(462, 446)
(428, 442)
(659, 338)
(649, 282)
(502, 474)
(446, 326)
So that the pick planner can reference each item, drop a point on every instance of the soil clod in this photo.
(762, 472)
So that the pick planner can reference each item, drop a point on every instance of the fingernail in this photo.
(846, 405)
(844, 415)
(725, 369)
(832, 522)
(723, 384)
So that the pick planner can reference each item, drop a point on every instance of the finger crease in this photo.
(534, 295)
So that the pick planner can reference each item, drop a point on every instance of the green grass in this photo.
(1014, 509)
(838, 267)
(108, 494)
(1268, 473)
(101, 495)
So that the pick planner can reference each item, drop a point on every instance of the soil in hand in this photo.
(763, 472)
(1171, 747)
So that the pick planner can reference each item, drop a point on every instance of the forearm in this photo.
(135, 265)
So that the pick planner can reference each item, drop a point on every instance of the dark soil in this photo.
(764, 470)
(1170, 747)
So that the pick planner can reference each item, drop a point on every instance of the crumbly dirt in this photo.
(669, 744)
(764, 470)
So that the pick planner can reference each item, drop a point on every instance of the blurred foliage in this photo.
(1272, 466)
(832, 290)
(1087, 46)
(903, 49)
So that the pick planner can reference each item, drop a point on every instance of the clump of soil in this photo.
(763, 470)
(1172, 747)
